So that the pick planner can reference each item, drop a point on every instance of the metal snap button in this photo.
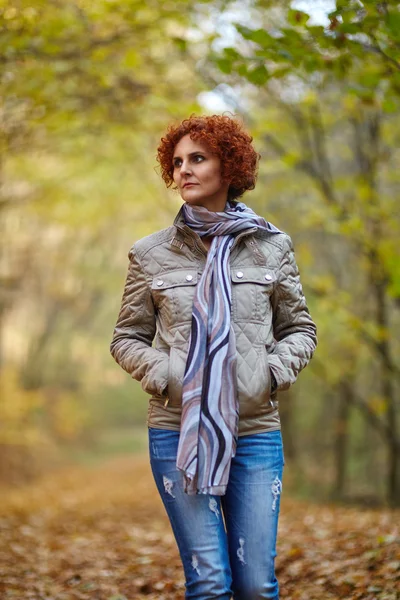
(189, 277)
(268, 277)
(239, 274)
(160, 282)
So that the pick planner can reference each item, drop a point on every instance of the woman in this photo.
(219, 291)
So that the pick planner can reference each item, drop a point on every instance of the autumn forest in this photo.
(87, 88)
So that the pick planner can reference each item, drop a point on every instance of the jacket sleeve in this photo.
(131, 345)
(294, 330)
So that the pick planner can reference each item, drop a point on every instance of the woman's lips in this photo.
(189, 184)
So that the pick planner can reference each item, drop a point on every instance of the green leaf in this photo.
(370, 80)
(349, 28)
(297, 17)
(280, 72)
(224, 65)
(370, 23)
(181, 43)
(261, 37)
(285, 54)
(390, 105)
(244, 31)
(311, 63)
(349, 14)
(242, 70)
(393, 24)
(258, 76)
(232, 53)
(317, 31)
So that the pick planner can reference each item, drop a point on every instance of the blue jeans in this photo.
(227, 543)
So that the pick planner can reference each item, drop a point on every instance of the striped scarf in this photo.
(210, 410)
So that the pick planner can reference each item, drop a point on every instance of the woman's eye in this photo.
(197, 158)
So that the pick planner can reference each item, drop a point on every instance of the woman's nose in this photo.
(185, 167)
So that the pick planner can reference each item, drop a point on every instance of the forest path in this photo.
(100, 533)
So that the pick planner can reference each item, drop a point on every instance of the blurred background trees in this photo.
(87, 91)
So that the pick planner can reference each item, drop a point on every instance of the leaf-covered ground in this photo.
(101, 533)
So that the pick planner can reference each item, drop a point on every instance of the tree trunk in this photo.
(341, 443)
(388, 391)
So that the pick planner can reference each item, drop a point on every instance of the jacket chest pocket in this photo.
(251, 291)
(173, 293)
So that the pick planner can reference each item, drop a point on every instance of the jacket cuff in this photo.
(156, 379)
(162, 385)
(279, 372)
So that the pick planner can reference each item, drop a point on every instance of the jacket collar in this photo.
(179, 221)
(186, 235)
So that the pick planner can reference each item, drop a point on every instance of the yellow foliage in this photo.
(17, 409)
(378, 404)
(68, 417)
(351, 104)
(22, 412)
(304, 254)
(310, 98)
(323, 284)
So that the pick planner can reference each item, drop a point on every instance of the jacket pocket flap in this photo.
(175, 278)
(260, 275)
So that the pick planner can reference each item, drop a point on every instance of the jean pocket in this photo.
(163, 444)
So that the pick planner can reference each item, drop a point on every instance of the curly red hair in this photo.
(226, 138)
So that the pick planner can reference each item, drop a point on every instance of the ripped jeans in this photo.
(227, 543)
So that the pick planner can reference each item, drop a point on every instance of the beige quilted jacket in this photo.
(273, 328)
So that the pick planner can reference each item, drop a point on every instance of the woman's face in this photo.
(197, 175)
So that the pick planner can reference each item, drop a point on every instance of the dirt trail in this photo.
(101, 534)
